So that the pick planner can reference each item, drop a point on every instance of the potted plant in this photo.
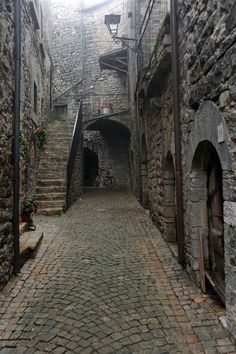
(28, 207)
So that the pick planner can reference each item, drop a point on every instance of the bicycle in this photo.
(107, 181)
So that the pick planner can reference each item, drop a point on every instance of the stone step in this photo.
(51, 189)
(55, 175)
(52, 182)
(29, 243)
(55, 157)
(45, 204)
(58, 145)
(50, 211)
(48, 167)
(50, 196)
(63, 132)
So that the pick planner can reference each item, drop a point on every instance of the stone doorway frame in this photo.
(198, 200)
(206, 121)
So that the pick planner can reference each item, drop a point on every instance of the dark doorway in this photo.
(169, 200)
(207, 219)
(216, 223)
(90, 167)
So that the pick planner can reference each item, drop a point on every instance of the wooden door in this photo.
(216, 226)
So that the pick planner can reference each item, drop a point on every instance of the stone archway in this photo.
(144, 174)
(90, 167)
(112, 147)
(206, 215)
(169, 212)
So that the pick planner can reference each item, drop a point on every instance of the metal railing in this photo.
(75, 142)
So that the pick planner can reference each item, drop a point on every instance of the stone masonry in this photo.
(35, 90)
(6, 117)
(35, 101)
(207, 58)
(208, 69)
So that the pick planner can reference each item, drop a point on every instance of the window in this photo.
(62, 110)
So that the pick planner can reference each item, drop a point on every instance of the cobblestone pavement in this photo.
(106, 282)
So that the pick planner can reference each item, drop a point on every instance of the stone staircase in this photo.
(52, 179)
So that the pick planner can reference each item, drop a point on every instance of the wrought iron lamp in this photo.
(112, 22)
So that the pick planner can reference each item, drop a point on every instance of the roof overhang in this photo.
(115, 60)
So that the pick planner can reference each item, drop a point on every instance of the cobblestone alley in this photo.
(104, 281)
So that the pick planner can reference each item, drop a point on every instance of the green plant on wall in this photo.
(42, 137)
(23, 143)
(83, 131)
(151, 47)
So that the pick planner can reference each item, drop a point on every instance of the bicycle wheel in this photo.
(110, 182)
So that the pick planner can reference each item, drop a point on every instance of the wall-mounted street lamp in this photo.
(112, 22)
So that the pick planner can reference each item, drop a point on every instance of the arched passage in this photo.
(90, 167)
(112, 149)
(206, 210)
(169, 200)
(144, 174)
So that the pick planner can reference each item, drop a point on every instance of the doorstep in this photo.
(29, 243)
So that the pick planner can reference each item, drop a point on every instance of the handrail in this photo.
(76, 136)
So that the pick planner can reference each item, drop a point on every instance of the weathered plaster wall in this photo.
(6, 118)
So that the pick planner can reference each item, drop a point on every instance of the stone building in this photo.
(35, 101)
(130, 111)
(206, 44)
(94, 77)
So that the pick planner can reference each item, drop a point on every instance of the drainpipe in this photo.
(177, 131)
(16, 137)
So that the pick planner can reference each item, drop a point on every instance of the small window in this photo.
(62, 110)
(35, 103)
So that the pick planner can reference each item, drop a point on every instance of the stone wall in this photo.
(207, 45)
(107, 86)
(35, 101)
(66, 42)
(157, 136)
(35, 91)
(6, 118)
(208, 74)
